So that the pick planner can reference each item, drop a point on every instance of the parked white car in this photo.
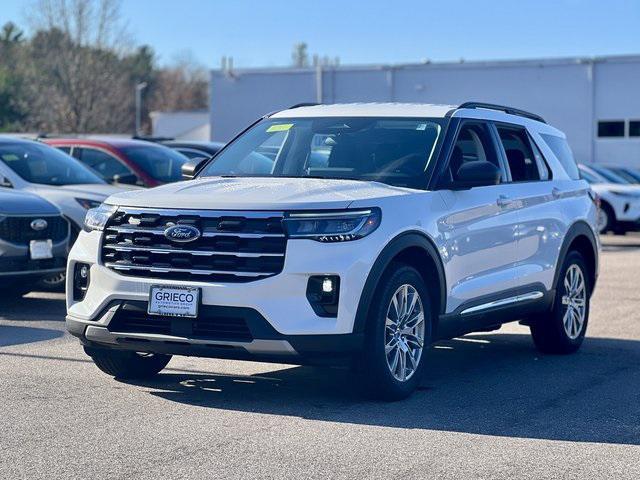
(62, 180)
(357, 233)
(54, 175)
(619, 202)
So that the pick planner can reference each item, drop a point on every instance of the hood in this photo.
(271, 193)
(616, 188)
(22, 203)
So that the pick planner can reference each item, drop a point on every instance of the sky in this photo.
(262, 33)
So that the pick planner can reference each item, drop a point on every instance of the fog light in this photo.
(81, 274)
(323, 292)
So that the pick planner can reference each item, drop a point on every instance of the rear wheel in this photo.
(606, 218)
(397, 335)
(562, 330)
(128, 365)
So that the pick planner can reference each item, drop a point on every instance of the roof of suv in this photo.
(420, 110)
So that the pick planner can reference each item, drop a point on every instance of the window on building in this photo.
(611, 128)
(634, 128)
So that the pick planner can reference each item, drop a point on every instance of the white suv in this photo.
(344, 233)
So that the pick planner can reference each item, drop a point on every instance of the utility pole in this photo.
(138, 93)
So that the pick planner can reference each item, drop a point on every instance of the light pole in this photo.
(138, 93)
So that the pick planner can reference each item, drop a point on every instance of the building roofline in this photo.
(542, 62)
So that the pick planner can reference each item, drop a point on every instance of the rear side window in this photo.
(563, 153)
(525, 164)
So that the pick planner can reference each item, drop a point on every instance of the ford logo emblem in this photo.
(39, 224)
(182, 233)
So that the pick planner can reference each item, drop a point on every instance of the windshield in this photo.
(160, 163)
(609, 175)
(42, 164)
(395, 151)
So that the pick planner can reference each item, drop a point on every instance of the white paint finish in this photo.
(412, 110)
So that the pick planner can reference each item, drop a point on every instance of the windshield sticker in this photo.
(281, 127)
(421, 126)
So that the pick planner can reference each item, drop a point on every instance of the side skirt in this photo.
(491, 311)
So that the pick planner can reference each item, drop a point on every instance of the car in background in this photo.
(194, 149)
(631, 175)
(619, 202)
(125, 161)
(73, 188)
(34, 242)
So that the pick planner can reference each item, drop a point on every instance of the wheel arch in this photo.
(413, 248)
(581, 238)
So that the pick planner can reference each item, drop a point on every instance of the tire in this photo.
(54, 283)
(382, 373)
(558, 331)
(128, 365)
(606, 218)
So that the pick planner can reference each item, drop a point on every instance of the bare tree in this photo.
(300, 55)
(76, 61)
(181, 86)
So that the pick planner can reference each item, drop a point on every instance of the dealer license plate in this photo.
(40, 249)
(174, 301)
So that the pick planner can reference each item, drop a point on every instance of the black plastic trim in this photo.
(579, 228)
(503, 108)
(394, 247)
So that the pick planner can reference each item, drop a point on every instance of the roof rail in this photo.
(502, 108)
(304, 104)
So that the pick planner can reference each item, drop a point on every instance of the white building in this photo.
(595, 101)
(181, 125)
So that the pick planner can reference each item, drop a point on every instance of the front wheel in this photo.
(128, 365)
(398, 332)
(562, 330)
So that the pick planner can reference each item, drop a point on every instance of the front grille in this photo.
(233, 247)
(213, 323)
(18, 230)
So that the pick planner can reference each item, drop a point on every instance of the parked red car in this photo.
(124, 161)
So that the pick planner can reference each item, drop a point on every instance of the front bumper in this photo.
(15, 264)
(279, 303)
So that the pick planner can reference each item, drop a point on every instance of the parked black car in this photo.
(195, 149)
(34, 242)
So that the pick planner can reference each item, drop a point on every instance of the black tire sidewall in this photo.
(380, 380)
(573, 258)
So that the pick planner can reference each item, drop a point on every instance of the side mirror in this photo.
(191, 167)
(125, 179)
(477, 174)
(5, 182)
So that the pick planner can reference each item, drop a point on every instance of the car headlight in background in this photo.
(97, 218)
(88, 203)
(338, 226)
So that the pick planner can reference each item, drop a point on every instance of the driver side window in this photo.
(474, 144)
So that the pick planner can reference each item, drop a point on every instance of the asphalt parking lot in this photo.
(490, 407)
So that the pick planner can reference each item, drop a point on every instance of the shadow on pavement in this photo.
(21, 335)
(484, 384)
(34, 309)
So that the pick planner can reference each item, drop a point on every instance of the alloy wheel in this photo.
(404, 332)
(575, 301)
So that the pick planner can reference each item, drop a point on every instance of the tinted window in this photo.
(473, 144)
(608, 174)
(38, 163)
(395, 151)
(520, 156)
(190, 153)
(634, 128)
(611, 128)
(563, 153)
(104, 164)
(66, 150)
(160, 163)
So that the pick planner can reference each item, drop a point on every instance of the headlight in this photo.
(340, 226)
(88, 203)
(97, 218)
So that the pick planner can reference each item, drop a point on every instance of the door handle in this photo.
(556, 192)
(504, 201)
